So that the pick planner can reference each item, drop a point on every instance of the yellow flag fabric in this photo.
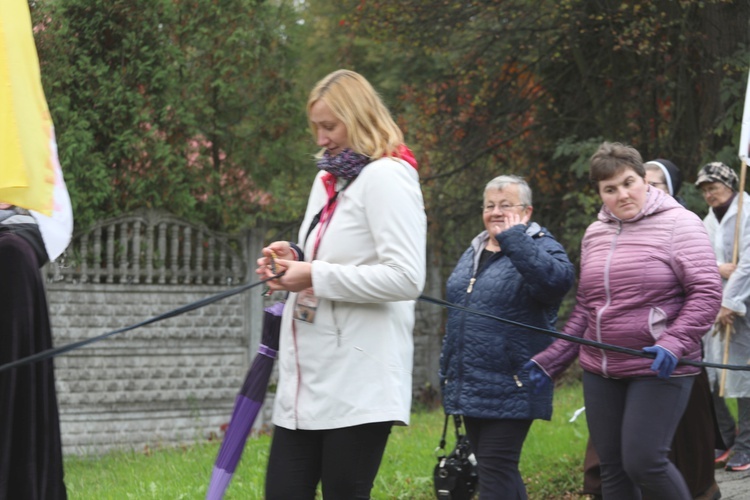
(27, 172)
(30, 172)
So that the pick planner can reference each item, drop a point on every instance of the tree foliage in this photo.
(532, 87)
(186, 105)
(198, 106)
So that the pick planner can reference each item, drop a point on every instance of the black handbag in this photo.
(455, 475)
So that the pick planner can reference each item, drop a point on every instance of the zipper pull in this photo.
(471, 285)
(518, 381)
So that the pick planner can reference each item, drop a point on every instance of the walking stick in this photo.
(735, 258)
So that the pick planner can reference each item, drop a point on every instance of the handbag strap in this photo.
(316, 218)
(458, 422)
(445, 429)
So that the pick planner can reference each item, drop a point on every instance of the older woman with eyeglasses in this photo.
(513, 269)
(719, 185)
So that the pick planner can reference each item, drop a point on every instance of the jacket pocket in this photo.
(657, 322)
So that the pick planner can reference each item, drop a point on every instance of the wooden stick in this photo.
(735, 257)
(727, 337)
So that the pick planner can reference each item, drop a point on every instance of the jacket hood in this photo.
(656, 201)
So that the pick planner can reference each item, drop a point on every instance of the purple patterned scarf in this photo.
(345, 165)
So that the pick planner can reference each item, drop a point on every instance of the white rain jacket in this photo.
(736, 296)
(353, 365)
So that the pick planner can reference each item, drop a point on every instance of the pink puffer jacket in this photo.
(652, 279)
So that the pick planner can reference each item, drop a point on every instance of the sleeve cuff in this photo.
(298, 253)
(737, 306)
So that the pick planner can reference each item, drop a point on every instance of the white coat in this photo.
(353, 365)
(736, 296)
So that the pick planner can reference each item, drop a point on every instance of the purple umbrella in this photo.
(247, 404)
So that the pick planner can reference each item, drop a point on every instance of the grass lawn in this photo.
(551, 463)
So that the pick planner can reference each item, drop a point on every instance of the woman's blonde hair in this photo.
(369, 125)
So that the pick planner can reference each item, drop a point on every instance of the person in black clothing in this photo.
(31, 462)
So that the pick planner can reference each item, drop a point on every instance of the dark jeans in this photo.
(631, 423)
(497, 447)
(344, 460)
(693, 444)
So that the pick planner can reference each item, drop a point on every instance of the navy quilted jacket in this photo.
(481, 359)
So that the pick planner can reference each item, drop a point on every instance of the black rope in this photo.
(578, 340)
(56, 351)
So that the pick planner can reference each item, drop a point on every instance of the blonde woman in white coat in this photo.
(718, 183)
(346, 347)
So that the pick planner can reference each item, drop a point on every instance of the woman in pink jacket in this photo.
(648, 282)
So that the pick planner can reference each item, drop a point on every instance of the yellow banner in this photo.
(27, 175)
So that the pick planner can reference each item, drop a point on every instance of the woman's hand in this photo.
(538, 377)
(268, 264)
(664, 361)
(726, 270)
(276, 250)
(726, 316)
(297, 276)
(510, 219)
(281, 250)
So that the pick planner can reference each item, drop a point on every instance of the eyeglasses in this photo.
(503, 208)
(713, 189)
